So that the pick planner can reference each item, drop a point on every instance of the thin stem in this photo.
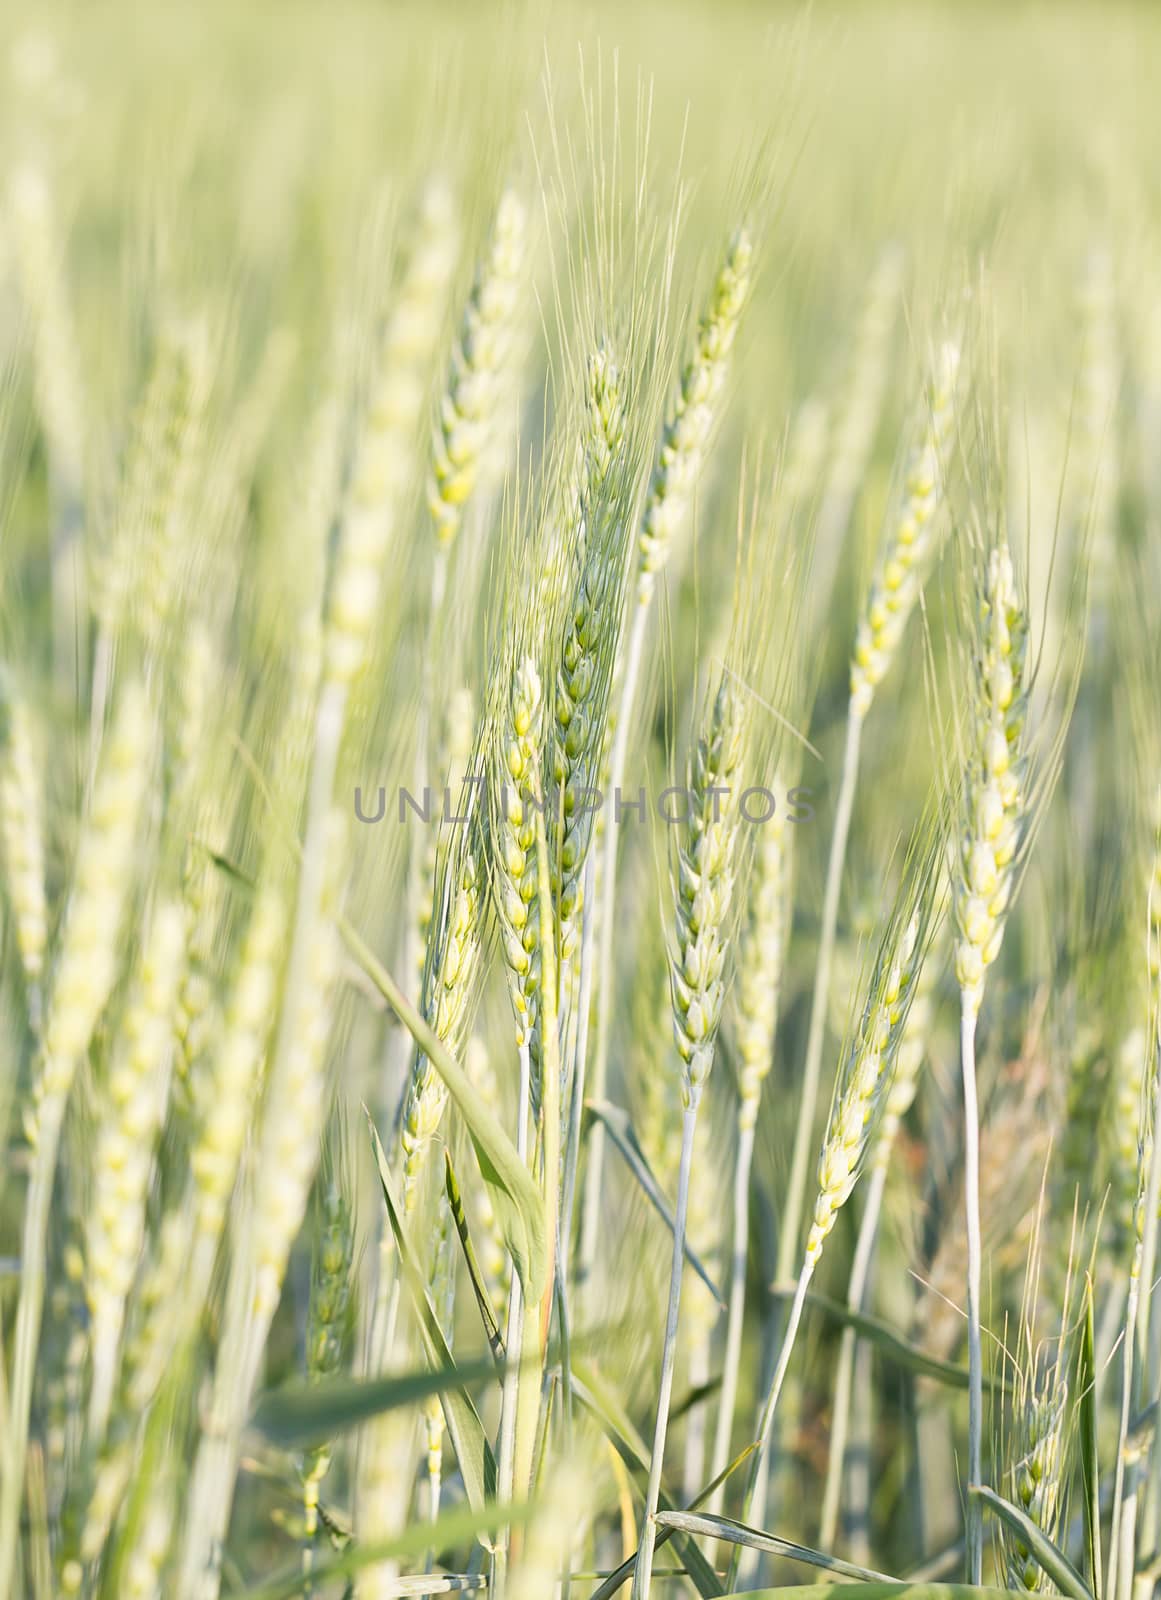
(576, 1107)
(29, 1312)
(1124, 1527)
(591, 1212)
(643, 1571)
(971, 1170)
(735, 1317)
(240, 1351)
(1127, 1353)
(788, 1238)
(759, 1473)
(513, 1332)
(841, 1410)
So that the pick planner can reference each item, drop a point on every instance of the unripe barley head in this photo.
(909, 546)
(471, 409)
(386, 450)
(589, 646)
(225, 1095)
(516, 779)
(129, 1121)
(89, 942)
(913, 1047)
(23, 842)
(863, 1087)
(703, 885)
(995, 799)
(296, 1094)
(761, 959)
(696, 410)
(452, 972)
(1037, 1477)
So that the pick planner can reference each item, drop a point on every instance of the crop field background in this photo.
(580, 800)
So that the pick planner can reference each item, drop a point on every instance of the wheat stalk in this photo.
(862, 1089)
(995, 812)
(904, 560)
(703, 883)
(471, 406)
(127, 1128)
(83, 976)
(21, 828)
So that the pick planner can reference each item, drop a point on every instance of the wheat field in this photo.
(580, 800)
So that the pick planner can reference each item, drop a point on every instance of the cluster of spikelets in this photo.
(704, 886)
(472, 408)
(995, 800)
(689, 428)
(761, 959)
(518, 783)
(908, 552)
(863, 1089)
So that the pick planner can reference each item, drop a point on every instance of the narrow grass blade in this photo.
(621, 1575)
(477, 1464)
(479, 1288)
(1089, 1464)
(618, 1428)
(300, 1415)
(1054, 1562)
(515, 1199)
(893, 1345)
(738, 1533)
(620, 1131)
(882, 1591)
(449, 1528)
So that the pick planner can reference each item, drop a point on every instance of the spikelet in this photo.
(761, 959)
(912, 1052)
(863, 1086)
(128, 1125)
(21, 810)
(906, 554)
(994, 783)
(226, 1093)
(597, 449)
(89, 942)
(689, 427)
(703, 886)
(1036, 1479)
(386, 449)
(328, 1314)
(195, 1018)
(163, 523)
(471, 409)
(294, 1107)
(588, 649)
(516, 763)
(450, 983)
